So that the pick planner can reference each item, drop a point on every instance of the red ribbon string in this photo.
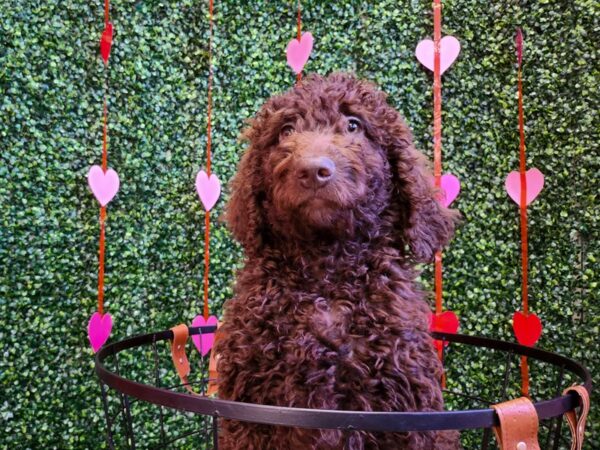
(299, 32)
(208, 158)
(524, 246)
(104, 168)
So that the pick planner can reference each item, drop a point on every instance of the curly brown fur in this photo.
(327, 313)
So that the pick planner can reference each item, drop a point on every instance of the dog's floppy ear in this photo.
(424, 225)
(244, 212)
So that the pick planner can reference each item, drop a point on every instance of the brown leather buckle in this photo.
(519, 423)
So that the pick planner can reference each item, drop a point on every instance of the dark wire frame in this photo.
(209, 409)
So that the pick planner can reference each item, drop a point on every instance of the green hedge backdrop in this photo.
(51, 86)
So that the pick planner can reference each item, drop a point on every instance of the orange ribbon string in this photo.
(105, 132)
(299, 33)
(104, 168)
(523, 200)
(106, 11)
(206, 262)
(524, 376)
(208, 158)
(437, 133)
(523, 213)
(101, 261)
(437, 146)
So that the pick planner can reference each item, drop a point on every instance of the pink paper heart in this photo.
(450, 186)
(205, 342)
(535, 182)
(449, 50)
(298, 51)
(208, 189)
(106, 42)
(104, 186)
(99, 328)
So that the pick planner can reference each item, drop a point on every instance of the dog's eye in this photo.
(353, 125)
(286, 131)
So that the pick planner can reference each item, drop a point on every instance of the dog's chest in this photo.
(328, 344)
(334, 326)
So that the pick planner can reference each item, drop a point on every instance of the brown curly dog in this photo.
(334, 207)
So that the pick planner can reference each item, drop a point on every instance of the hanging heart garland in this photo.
(104, 184)
(523, 187)
(208, 188)
(438, 55)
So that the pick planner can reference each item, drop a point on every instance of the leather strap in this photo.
(577, 425)
(180, 360)
(518, 429)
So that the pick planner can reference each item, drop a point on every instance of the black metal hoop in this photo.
(335, 419)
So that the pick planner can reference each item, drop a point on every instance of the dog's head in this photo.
(331, 159)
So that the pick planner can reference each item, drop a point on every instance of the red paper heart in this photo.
(528, 329)
(106, 42)
(446, 322)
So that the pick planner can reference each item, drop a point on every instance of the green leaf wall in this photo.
(51, 87)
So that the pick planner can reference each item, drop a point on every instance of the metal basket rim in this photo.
(338, 419)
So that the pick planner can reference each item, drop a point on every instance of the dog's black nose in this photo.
(315, 172)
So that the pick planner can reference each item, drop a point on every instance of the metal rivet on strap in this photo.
(521, 446)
